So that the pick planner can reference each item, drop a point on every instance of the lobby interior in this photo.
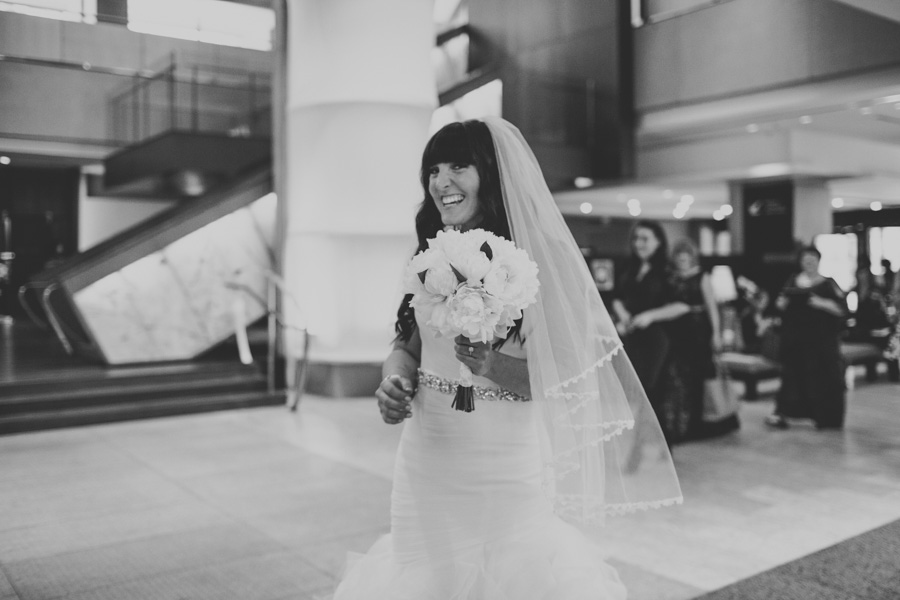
(145, 447)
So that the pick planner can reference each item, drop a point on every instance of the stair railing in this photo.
(275, 319)
(54, 320)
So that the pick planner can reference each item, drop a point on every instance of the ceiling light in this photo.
(634, 202)
(668, 194)
(687, 199)
(5, 160)
(634, 209)
(586, 207)
(726, 209)
(752, 128)
(805, 119)
(718, 216)
(770, 170)
(876, 206)
(837, 203)
(866, 110)
(583, 182)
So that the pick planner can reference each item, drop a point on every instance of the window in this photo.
(78, 11)
(211, 21)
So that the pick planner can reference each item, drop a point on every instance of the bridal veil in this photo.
(603, 450)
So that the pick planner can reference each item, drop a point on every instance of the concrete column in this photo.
(812, 209)
(360, 95)
(773, 218)
(736, 220)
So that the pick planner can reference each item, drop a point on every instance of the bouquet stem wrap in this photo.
(464, 399)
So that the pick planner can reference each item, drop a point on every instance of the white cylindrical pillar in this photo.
(360, 95)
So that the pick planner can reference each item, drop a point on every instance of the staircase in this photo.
(42, 387)
(132, 393)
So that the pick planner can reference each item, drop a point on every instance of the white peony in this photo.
(440, 280)
(471, 283)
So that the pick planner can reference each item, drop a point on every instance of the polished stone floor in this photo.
(264, 504)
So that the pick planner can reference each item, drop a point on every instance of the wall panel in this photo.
(744, 46)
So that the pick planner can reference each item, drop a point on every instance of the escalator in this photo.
(146, 319)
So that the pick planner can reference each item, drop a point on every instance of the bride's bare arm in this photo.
(506, 371)
(399, 384)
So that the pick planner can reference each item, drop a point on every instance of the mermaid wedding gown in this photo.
(469, 520)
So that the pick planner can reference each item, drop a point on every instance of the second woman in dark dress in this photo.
(697, 337)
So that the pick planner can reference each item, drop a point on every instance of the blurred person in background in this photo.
(813, 310)
(644, 302)
(697, 338)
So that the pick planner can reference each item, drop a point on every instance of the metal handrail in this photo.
(54, 320)
(131, 108)
(23, 302)
(276, 284)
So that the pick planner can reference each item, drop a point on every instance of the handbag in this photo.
(720, 396)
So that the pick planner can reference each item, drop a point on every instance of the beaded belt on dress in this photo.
(447, 386)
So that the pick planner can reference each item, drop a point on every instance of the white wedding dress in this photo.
(469, 520)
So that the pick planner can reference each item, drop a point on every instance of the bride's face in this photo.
(454, 189)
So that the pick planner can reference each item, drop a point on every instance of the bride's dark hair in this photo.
(465, 143)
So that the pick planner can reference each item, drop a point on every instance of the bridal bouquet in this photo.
(474, 284)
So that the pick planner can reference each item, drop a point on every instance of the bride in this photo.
(491, 504)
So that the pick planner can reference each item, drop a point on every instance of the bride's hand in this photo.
(478, 356)
(394, 398)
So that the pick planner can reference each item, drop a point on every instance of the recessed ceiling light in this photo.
(687, 199)
(726, 209)
(583, 182)
(770, 170)
(5, 160)
(876, 206)
(718, 216)
(586, 208)
(837, 202)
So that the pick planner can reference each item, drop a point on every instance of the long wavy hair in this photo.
(465, 143)
(659, 259)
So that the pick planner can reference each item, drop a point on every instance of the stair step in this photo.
(123, 377)
(134, 409)
(65, 396)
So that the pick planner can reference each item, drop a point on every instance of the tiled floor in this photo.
(264, 504)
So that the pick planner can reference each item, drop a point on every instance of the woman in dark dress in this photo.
(812, 380)
(643, 302)
(697, 336)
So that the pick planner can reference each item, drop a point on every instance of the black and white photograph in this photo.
(449, 299)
